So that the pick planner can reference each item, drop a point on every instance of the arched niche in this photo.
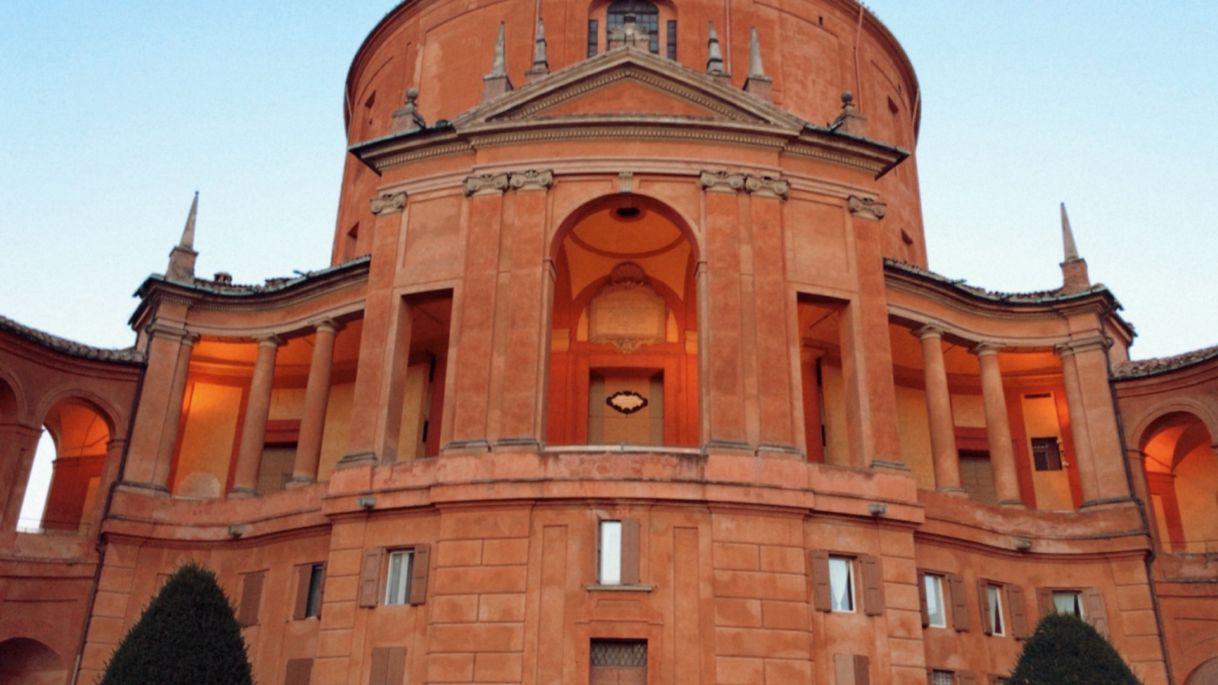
(1181, 467)
(64, 480)
(624, 338)
(30, 662)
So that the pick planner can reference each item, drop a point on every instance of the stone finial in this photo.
(408, 118)
(714, 54)
(1074, 268)
(757, 83)
(541, 65)
(182, 257)
(850, 120)
(496, 82)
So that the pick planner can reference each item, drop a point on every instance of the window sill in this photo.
(638, 587)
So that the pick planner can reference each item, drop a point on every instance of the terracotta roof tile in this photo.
(128, 355)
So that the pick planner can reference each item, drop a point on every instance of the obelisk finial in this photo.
(182, 257)
(757, 83)
(1074, 268)
(497, 83)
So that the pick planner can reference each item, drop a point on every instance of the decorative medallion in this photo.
(626, 401)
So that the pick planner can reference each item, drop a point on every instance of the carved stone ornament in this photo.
(721, 181)
(766, 185)
(866, 207)
(388, 203)
(486, 182)
(531, 180)
(626, 401)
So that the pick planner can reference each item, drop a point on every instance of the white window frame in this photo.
(317, 572)
(835, 580)
(932, 583)
(1077, 596)
(398, 569)
(609, 558)
(993, 595)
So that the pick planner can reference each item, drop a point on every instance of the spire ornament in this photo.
(850, 120)
(541, 65)
(1074, 268)
(496, 82)
(757, 84)
(182, 257)
(714, 55)
(408, 118)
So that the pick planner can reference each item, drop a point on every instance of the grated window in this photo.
(619, 653)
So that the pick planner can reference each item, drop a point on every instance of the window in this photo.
(397, 577)
(251, 597)
(1068, 602)
(841, 583)
(646, 18)
(618, 552)
(936, 612)
(1047, 454)
(593, 26)
(671, 39)
(938, 677)
(618, 661)
(309, 581)
(993, 610)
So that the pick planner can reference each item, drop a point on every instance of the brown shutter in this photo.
(370, 578)
(631, 551)
(966, 678)
(987, 618)
(299, 672)
(922, 599)
(960, 617)
(418, 573)
(818, 576)
(1093, 610)
(251, 597)
(862, 670)
(388, 666)
(873, 586)
(1019, 612)
(301, 605)
(1044, 601)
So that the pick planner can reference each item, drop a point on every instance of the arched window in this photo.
(646, 17)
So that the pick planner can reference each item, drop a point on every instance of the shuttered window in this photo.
(395, 576)
(309, 580)
(841, 583)
(990, 598)
(619, 546)
(959, 602)
(298, 672)
(1017, 607)
(930, 599)
(851, 669)
(873, 585)
(1087, 604)
(251, 597)
(388, 666)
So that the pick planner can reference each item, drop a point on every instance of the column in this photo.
(18, 444)
(939, 410)
(173, 414)
(1093, 423)
(253, 430)
(317, 395)
(997, 428)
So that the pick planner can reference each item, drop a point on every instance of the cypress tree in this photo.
(187, 635)
(1064, 650)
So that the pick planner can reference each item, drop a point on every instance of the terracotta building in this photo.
(628, 367)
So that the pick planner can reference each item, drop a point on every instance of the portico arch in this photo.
(1181, 467)
(624, 326)
(30, 662)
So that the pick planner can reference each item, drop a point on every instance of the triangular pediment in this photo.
(628, 83)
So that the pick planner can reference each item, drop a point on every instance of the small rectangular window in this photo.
(1047, 454)
(593, 28)
(317, 575)
(610, 572)
(938, 677)
(936, 612)
(841, 583)
(618, 661)
(671, 39)
(993, 598)
(397, 577)
(1068, 602)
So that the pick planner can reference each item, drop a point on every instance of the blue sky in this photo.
(115, 113)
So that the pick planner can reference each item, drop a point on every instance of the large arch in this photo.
(24, 661)
(65, 477)
(1205, 674)
(1181, 468)
(624, 326)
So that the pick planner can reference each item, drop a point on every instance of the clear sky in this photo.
(114, 113)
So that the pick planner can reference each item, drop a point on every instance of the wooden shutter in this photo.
(966, 678)
(1018, 612)
(862, 670)
(922, 599)
(299, 672)
(987, 617)
(418, 573)
(873, 585)
(388, 666)
(370, 578)
(301, 605)
(818, 576)
(1094, 611)
(631, 551)
(1044, 601)
(251, 598)
(960, 617)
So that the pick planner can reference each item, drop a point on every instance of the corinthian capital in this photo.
(531, 179)
(483, 183)
(768, 186)
(866, 207)
(388, 203)
(721, 181)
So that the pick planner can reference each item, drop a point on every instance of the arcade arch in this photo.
(1181, 466)
(64, 480)
(30, 662)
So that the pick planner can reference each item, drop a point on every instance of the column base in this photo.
(889, 465)
(299, 482)
(143, 488)
(953, 491)
(1010, 503)
(356, 459)
(1106, 502)
(242, 493)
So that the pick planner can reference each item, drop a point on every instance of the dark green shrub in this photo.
(186, 636)
(1066, 651)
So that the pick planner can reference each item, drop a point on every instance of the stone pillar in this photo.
(939, 410)
(997, 427)
(1093, 424)
(317, 395)
(159, 411)
(367, 410)
(1164, 485)
(18, 444)
(253, 428)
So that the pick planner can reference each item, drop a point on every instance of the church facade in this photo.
(628, 367)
